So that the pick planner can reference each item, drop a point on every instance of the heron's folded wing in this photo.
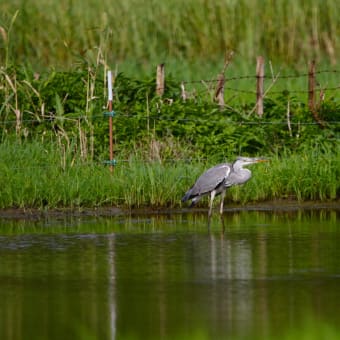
(211, 179)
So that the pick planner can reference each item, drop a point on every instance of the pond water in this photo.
(267, 276)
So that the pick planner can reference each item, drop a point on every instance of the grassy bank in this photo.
(43, 176)
(54, 136)
(136, 34)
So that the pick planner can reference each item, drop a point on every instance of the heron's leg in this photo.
(212, 196)
(222, 201)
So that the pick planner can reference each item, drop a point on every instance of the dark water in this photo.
(268, 276)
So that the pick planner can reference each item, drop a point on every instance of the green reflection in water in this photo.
(269, 275)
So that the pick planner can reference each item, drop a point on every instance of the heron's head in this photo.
(250, 160)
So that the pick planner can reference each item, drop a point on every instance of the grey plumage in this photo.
(213, 179)
(217, 179)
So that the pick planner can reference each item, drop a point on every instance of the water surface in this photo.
(268, 275)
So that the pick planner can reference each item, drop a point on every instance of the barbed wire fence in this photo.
(219, 88)
(311, 91)
(221, 83)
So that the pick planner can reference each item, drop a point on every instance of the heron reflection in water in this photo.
(216, 180)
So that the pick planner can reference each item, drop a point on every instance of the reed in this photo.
(42, 176)
(137, 33)
(308, 175)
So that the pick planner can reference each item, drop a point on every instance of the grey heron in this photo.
(217, 179)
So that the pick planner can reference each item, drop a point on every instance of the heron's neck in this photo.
(238, 166)
(238, 169)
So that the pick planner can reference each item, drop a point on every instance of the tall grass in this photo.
(312, 174)
(135, 32)
(34, 175)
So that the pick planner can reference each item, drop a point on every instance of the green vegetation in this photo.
(135, 35)
(68, 108)
(54, 137)
(54, 140)
(34, 175)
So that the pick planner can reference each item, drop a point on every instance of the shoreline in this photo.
(36, 214)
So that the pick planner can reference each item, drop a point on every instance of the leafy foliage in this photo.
(68, 107)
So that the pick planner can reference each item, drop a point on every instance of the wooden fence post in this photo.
(160, 80)
(259, 85)
(311, 86)
(219, 92)
(313, 106)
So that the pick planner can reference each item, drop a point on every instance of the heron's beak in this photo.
(262, 160)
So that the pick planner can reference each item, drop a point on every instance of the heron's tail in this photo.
(186, 196)
(189, 196)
